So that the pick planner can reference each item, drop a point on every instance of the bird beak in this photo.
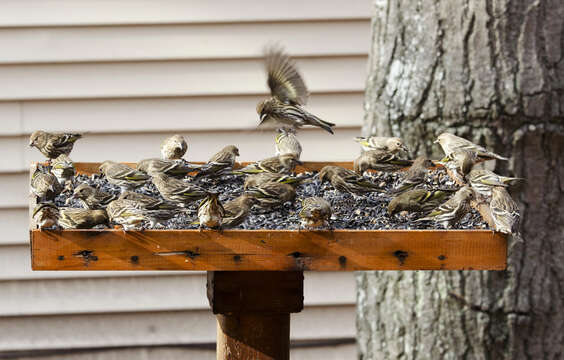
(436, 141)
(404, 148)
(31, 144)
(263, 117)
(299, 162)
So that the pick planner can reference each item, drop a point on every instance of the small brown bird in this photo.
(286, 142)
(173, 148)
(46, 215)
(272, 194)
(345, 180)
(147, 202)
(45, 185)
(418, 200)
(237, 210)
(484, 180)
(283, 164)
(176, 190)
(381, 143)
(289, 94)
(169, 167)
(53, 144)
(127, 213)
(452, 143)
(123, 176)
(414, 176)
(210, 212)
(315, 212)
(504, 211)
(460, 162)
(63, 168)
(221, 163)
(449, 213)
(92, 198)
(71, 218)
(264, 177)
(380, 161)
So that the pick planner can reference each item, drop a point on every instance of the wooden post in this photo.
(253, 312)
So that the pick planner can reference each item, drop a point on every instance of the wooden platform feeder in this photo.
(255, 277)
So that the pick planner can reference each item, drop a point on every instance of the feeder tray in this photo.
(255, 277)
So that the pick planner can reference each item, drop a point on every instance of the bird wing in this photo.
(284, 80)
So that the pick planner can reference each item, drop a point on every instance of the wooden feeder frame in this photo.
(255, 277)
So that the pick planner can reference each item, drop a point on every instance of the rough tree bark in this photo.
(493, 72)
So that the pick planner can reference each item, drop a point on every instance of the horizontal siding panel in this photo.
(154, 328)
(120, 292)
(164, 114)
(317, 145)
(170, 78)
(202, 41)
(337, 352)
(14, 224)
(106, 12)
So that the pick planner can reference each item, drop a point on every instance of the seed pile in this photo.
(368, 212)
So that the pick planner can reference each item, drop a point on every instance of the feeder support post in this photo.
(253, 312)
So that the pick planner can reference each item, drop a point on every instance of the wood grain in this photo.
(260, 250)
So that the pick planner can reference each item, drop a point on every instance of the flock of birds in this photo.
(270, 182)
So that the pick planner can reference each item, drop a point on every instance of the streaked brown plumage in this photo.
(380, 161)
(414, 176)
(147, 202)
(272, 194)
(92, 198)
(221, 163)
(449, 213)
(63, 168)
(484, 180)
(418, 200)
(178, 191)
(173, 148)
(210, 212)
(381, 143)
(237, 210)
(315, 212)
(264, 177)
(345, 180)
(45, 215)
(71, 218)
(53, 144)
(45, 185)
(288, 92)
(283, 164)
(461, 162)
(286, 142)
(122, 175)
(169, 167)
(451, 143)
(504, 211)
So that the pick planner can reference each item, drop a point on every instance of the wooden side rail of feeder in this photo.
(255, 277)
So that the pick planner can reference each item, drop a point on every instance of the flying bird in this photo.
(288, 94)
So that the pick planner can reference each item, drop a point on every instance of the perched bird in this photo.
(283, 164)
(345, 180)
(315, 212)
(63, 168)
(126, 213)
(53, 144)
(449, 213)
(272, 194)
(44, 185)
(484, 180)
(123, 176)
(177, 191)
(381, 143)
(418, 200)
(92, 198)
(173, 148)
(287, 142)
(264, 177)
(169, 167)
(147, 202)
(210, 212)
(289, 94)
(45, 215)
(237, 210)
(380, 161)
(414, 176)
(71, 218)
(221, 163)
(460, 161)
(451, 143)
(504, 211)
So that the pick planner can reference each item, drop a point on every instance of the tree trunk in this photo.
(491, 71)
